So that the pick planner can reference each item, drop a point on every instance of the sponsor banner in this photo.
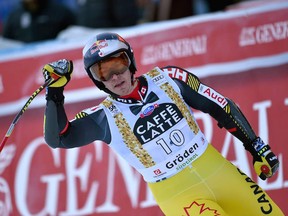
(38, 180)
(189, 42)
(219, 39)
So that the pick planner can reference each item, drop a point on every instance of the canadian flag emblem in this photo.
(200, 209)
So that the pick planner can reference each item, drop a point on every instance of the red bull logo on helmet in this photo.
(99, 44)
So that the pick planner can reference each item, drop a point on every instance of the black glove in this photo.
(265, 162)
(60, 71)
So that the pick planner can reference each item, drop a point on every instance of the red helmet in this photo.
(103, 46)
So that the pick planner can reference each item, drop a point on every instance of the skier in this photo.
(149, 122)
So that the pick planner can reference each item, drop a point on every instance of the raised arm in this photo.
(59, 132)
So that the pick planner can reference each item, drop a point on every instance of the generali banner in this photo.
(243, 54)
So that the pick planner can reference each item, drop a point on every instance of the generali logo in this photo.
(266, 33)
(168, 50)
(6, 157)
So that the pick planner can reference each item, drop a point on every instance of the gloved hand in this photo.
(60, 71)
(265, 162)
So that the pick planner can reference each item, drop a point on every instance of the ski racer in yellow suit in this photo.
(148, 120)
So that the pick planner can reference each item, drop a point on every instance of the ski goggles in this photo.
(115, 65)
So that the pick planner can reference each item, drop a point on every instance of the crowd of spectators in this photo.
(38, 20)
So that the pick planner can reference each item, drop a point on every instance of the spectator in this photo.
(220, 5)
(155, 10)
(107, 13)
(37, 20)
